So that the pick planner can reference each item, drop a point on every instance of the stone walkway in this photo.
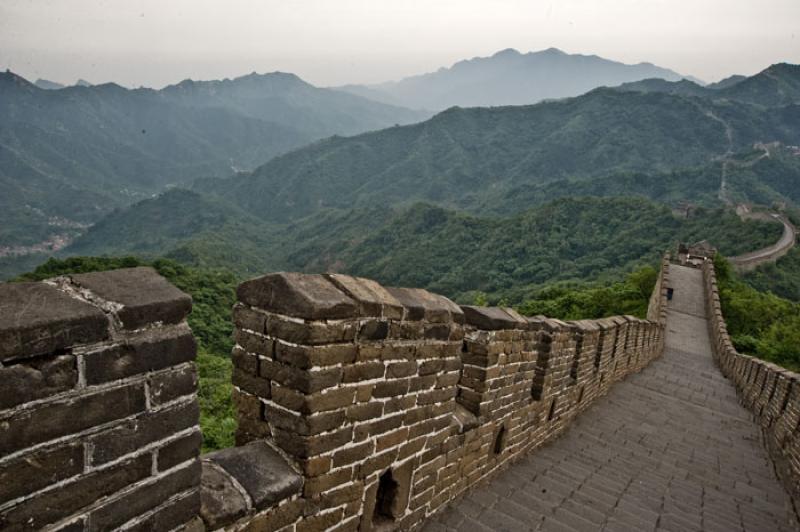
(669, 448)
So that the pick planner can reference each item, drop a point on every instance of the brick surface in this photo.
(669, 448)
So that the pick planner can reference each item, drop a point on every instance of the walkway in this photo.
(751, 260)
(669, 448)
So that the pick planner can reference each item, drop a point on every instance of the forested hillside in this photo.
(467, 158)
(76, 153)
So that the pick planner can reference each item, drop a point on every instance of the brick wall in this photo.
(390, 402)
(98, 408)
(360, 407)
(770, 392)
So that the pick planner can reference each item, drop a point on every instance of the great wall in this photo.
(363, 407)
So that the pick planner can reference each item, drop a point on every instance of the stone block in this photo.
(142, 430)
(420, 304)
(144, 498)
(37, 318)
(68, 416)
(220, 502)
(37, 378)
(39, 469)
(145, 296)
(179, 451)
(372, 298)
(150, 350)
(492, 318)
(48, 508)
(261, 471)
(170, 385)
(307, 296)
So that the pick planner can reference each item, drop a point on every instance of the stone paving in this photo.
(667, 449)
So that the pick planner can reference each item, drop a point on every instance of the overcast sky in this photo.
(332, 42)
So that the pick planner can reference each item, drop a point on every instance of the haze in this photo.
(154, 43)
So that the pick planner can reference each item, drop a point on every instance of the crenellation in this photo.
(359, 407)
(769, 391)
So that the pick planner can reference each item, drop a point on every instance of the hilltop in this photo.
(510, 78)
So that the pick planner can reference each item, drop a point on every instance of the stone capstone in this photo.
(307, 296)
(492, 318)
(220, 502)
(145, 296)
(36, 319)
(261, 471)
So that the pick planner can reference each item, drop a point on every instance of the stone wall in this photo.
(360, 407)
(770, 392)
(386, 403)
(98, 408)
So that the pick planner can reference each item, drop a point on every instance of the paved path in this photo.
(669, 448)
(771, 253)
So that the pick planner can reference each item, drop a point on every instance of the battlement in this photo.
(770, 392)
(359, 407)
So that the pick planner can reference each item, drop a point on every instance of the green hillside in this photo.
(423, 245)
(78, 152)
(465, 157)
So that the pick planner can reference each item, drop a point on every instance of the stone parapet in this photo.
(770, 392)
(98, 405)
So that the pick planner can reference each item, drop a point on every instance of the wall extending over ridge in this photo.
(770, 392)
(359, 407)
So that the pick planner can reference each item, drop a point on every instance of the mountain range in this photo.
(510, 78)
(103, 146)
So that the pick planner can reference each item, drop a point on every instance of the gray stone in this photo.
(220, 502)
(307, 296)
(492, 318)
(37, 378)
(373, 299)
(145, 295)
(464, 419)
(262, 472)
(423, 305)
(37, 318)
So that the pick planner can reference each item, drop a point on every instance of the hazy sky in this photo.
(331, 42)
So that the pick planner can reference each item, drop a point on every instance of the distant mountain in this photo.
(775, 86)
(288, 100)
(510, 78)
(463, 157)
(727, 82)
(48, 85)
(83, 83)
(109, 146)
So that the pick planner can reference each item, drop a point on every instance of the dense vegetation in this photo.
(781, 278)
(213, 295)
(579, 301)
(760, 323)
(450, 252)
(468, 158)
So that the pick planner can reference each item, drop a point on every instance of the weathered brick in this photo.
(145, 296)
(170, 385)
(40, 511)
(37, 319)
(34, 471)
(171, 515)
(37, 378)
(142, 430)
(179, 451)
(144, 498)
(150, 350)
(308, 296)
(363, 371)
(306, 357)
(306, 381)
(68, 416)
